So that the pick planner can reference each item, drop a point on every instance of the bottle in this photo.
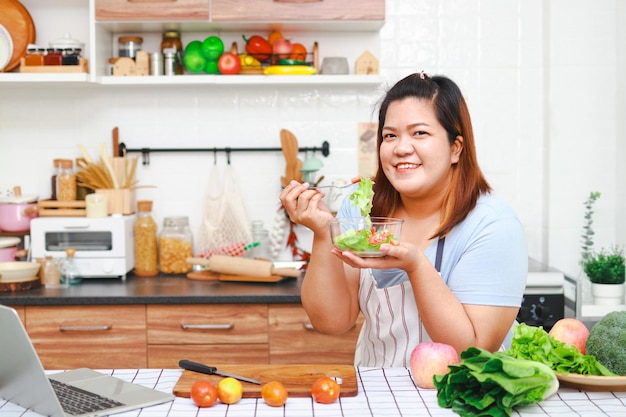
(70, 274)
(51, 272)
(262, 236)
(145, 241)
(175, 245)
(66, 181)
(171, 40)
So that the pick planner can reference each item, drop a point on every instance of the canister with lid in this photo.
(129, 45)
(145, 241)
(66, 181)
(175, 245)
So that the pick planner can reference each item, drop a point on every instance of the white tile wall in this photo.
(541, 79)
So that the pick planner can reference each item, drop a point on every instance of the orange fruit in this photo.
(229, 390)
(273, 36)
(298, 51)
(274, 394)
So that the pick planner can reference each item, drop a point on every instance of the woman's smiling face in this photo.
(415, 153)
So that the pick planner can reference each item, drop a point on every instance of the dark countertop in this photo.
(158, 290)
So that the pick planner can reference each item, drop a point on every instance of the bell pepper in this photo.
(258, 47)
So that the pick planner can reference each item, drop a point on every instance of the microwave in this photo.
(104, 246)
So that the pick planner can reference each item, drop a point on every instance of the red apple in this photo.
(282, 48)
(429, 359)
(571, 331)
(229, 63)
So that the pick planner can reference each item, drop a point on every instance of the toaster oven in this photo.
(104, 246)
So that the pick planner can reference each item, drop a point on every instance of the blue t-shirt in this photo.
(485, 257)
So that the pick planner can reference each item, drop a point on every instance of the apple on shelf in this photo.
(429, 359)
(571, 331)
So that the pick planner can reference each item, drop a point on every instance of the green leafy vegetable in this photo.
(491, 384)
(363, 240)
(362, 196)
(534, 343)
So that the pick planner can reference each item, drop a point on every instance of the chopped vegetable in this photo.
(492, 384)
(363, 240)
(362, 196)
(607, 341)
(534, 343)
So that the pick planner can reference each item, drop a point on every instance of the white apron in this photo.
(392, 326)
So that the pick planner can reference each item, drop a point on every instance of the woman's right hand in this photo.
(306, 206)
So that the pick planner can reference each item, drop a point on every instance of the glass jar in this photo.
(261, 236)
(66, 181)
(54, 56)
(34, 56)
(56, 163)
(171, 40)
(175, 245)
(71, 56)
(129, 45)
(145, 241)
(51, 274)
(69, 270)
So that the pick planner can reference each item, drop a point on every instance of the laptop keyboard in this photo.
(77, 401)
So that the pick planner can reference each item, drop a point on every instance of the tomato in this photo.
(258, 47)
(325, 390)
(274, 394)
(379, 237)
(298, 51)
(229, 390)
(229, 63)
(204, 393)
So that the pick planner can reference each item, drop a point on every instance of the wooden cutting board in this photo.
(213, 276)
(18, 22)
(297, 379)
(19, 284)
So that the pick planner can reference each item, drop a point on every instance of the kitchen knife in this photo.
(211, 370)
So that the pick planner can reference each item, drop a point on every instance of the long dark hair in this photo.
(468, 182)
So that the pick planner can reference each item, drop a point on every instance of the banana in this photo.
(289, 70)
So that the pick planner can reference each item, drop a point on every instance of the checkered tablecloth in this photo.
(384, 392)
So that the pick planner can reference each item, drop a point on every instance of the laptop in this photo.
(23, 380)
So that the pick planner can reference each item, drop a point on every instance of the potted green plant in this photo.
(605, 268)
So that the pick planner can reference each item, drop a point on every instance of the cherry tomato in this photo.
(298, 51)
(204, 393)
(229, 390)
(274, 394)
(325, 390)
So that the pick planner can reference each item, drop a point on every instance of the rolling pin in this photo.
(235, 265)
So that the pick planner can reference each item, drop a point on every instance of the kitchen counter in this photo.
(382, 392)
(172, 289)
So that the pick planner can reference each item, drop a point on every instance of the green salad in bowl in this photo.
(364, 235)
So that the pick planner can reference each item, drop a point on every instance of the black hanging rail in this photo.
(145, 152)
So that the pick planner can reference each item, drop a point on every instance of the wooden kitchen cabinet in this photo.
(297, 10)
(165, 10)
(106, 337)
(235, 333)
(294, 340)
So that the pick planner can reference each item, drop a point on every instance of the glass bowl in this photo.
(363, 235)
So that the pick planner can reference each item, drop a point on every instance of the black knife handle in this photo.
(197, 367)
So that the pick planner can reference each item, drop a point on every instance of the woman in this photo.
(458, 273)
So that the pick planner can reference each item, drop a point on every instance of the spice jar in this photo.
(71, 56)
(66, 181)
(171, 40)
(175, 245)
(129, 45)
(54, 56)
(56, 163)
(34, 56)
(145, 241)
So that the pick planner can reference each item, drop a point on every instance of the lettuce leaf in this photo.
(492, 384)
(362, 196)
(534, 343)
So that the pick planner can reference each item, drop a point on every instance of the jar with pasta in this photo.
(145, 241)
(175, 245)
(66, 181)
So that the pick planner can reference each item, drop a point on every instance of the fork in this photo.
(351, 183)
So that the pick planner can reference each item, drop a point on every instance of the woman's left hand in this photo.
(404, 256)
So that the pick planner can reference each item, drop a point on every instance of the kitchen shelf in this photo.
(364, 80)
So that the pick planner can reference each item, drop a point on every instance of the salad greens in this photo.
(365, 238)
(534, 343)
(363, 195)
(491, 384)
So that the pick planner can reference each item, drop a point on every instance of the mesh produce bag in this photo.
(225, 229)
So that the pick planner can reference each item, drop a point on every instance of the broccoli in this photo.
(607, 341)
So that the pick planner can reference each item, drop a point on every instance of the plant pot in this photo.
(608, 294)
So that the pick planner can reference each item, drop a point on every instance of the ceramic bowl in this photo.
(363, 235)
(10, 271)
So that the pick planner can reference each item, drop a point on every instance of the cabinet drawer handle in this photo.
(85, 328)
(207, 326)
(308, 326)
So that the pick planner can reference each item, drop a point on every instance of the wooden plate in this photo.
(593, 382)
(18, 22)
